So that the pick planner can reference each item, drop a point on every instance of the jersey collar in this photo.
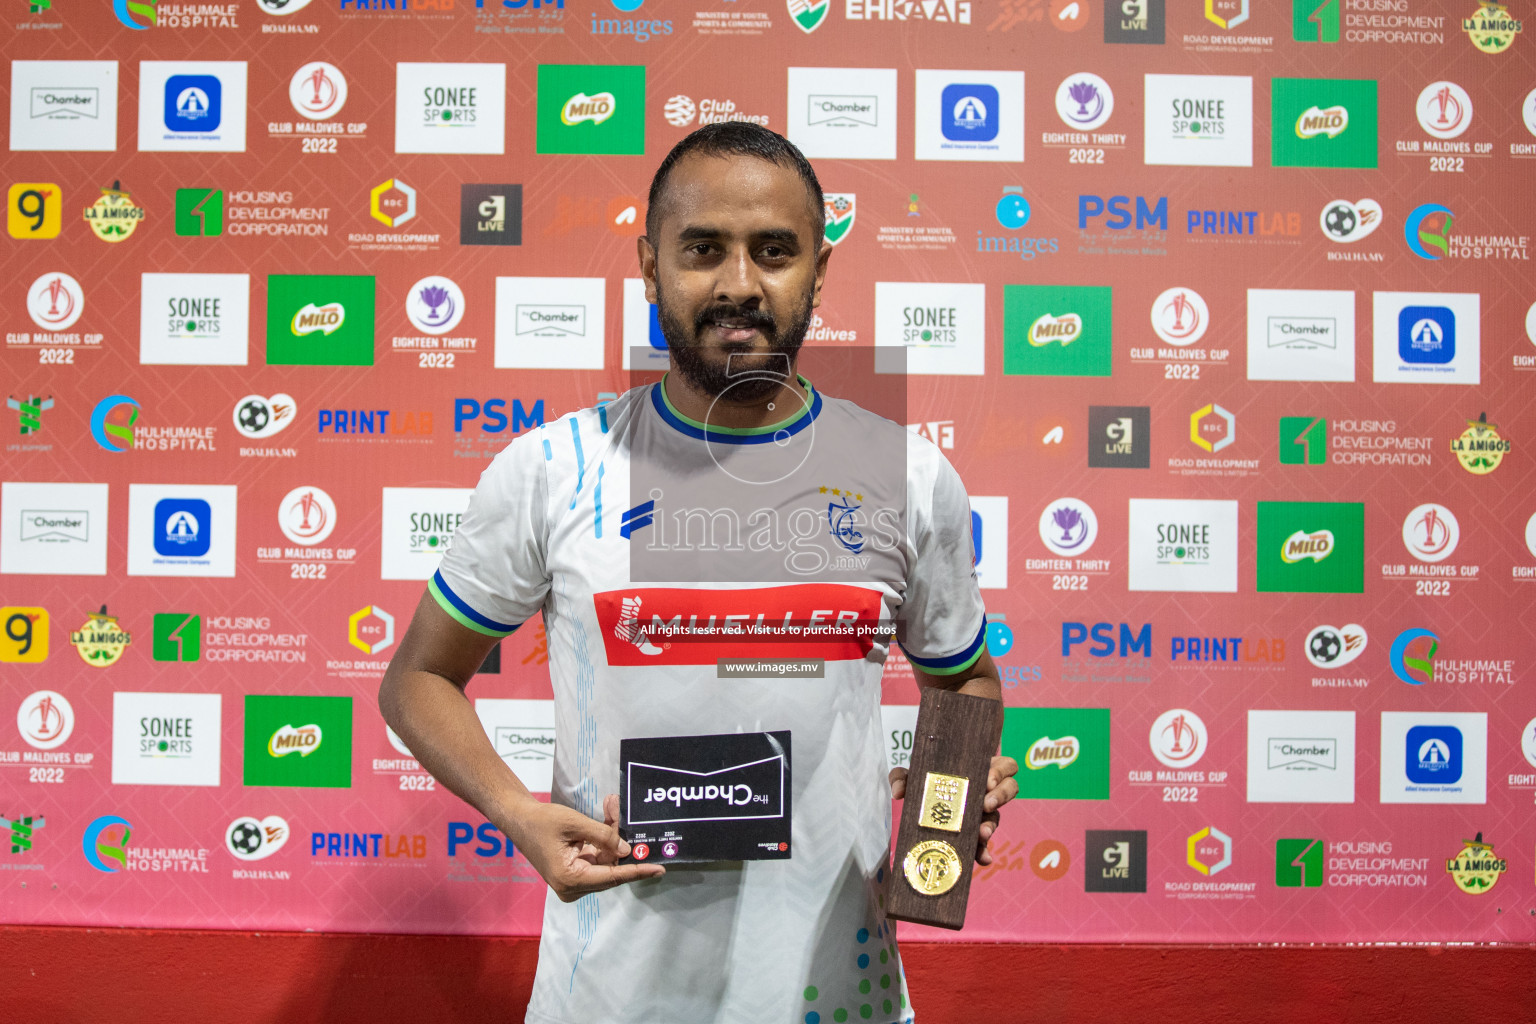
(737, 435)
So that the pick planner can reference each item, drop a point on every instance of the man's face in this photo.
(734, 272)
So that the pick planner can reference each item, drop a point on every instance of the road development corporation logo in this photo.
(1335, 646)
(371, 629)
(105, 843)
(256, 838)
(1444, 110)
(55, 301)
(259, 416)
(435, 305)
(1345, 221)
(1475, 869)
(1084, 101)
(45, 719)
(1209, 851)
(1068, 527)
(318, 90)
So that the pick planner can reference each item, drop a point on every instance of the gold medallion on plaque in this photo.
(943, 801)
(932, 867)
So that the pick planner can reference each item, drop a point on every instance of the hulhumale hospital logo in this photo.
(105, 843)
(115, 436)
(1427, 231)
(128, 10)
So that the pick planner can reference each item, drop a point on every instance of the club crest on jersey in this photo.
(842, 517)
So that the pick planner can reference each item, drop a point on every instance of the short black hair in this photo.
(731, 138)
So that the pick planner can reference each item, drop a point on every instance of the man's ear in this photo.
(822, 256)
(647, 255)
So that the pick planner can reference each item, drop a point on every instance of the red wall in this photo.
(122, 976)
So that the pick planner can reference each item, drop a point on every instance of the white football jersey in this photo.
(619, 520)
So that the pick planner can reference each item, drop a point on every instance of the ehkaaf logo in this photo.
(675, 626)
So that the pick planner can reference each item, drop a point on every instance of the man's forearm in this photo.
(439, 725)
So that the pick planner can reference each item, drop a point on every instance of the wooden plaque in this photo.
(952, 750)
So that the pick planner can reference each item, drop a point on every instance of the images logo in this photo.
(318, 90)
(591, 108)
(808, 14)
(45, 719)
(178, 637)
(271, 736)
(1074, 765)
(1430, 533)
(435, 305)
(1344, 221)
(1479, 448)
(1068, 527)
(102, 841)
(34, 210)
(841, 209)
(1475, 870)
(1085, 101)
(1209, 851)
(1012, 211)
(1330, 647)
(340, 308)
(1299, 862)
(1429, 227)
(392, 211)
(100, 641)
(55, 301)
(1311, 547)
(1057, 330)
(1180, 316)
(1403, 665)
(114, 216)
(257, 416)
(256, 839)
(24, 635)
(200, 212)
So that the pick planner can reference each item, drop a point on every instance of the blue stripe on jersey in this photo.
(954, 662)
(459, 605)
(721, 437)
(597, 504)
(581, 461)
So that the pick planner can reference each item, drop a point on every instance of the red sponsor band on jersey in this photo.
(683, 626)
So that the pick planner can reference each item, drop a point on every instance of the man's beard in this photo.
(754, 374)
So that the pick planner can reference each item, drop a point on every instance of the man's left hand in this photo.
(1001, 788)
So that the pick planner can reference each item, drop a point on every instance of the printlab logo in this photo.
(178, 637)
(1120, 436)
(1345, 221)
(55, 301)
(490, 214)
(1115, 861)
(1134, 21)
(318, 90)
(200, 212)
(590, 108)
(1444, 110)
(1180, 316)
(23, 635)
(1084, 101)
(1068, 527)
(34, 210)
(1299, 863)
(435, 305)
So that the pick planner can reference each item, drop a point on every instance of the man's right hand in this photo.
(574, 854)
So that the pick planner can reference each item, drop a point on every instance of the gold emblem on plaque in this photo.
(943, 801)
(932, 867)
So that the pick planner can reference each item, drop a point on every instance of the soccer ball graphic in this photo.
(1340, 221)
(1325, 646)
(679, 111)
(254, 416)
(245, 838)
